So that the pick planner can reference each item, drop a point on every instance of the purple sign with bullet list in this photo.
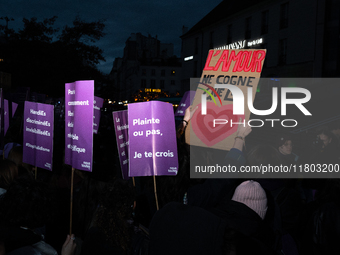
(79, 124)
(120, 120)
(187, 98)
(97, 104)
(152, 139)
(38, 135)
(6, 113)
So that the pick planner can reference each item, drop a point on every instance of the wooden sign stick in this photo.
(71, 201)
(155, 189)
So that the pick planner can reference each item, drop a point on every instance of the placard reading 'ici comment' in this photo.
(152, 139)
(187, 98)
(79, 124)
(38, 135)
(120, 120)
(7, 112)
(97, 104)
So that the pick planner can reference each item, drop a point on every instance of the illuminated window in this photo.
(188, 58)
(173, 72)
(1, 60)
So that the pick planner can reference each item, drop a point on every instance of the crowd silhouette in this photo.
(196, 216)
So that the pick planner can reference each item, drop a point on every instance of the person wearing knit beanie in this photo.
(252, 195)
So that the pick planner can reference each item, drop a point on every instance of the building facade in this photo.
(301, 36)
(302, 39)
(147, 66)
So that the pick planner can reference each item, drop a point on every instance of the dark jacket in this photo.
(320, 228)
(24, 241)
(212, 191)
(264, 234)
(183, 230)
(327, 155)
(288, 200)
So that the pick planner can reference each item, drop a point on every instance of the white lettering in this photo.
(40, 112)
(71, 92)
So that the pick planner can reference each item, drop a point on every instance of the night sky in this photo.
(155, 17)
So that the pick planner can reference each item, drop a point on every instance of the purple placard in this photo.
(79, 124)
(187, 98)
(120, 120)
(38, 135)
(6, 115)
(14, 108)
(97, 104)
(152, 139)
(1, 119)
